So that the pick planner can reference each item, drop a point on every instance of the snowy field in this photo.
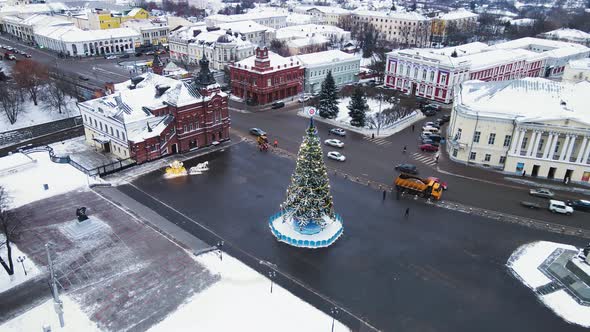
(525, 261)
(19, 276)
(241, 301)
(26, 186)
(44, 314)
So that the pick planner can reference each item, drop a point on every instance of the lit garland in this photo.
(308, 196)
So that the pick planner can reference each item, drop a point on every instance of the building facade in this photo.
(106, 19)
(152, 116)
(433, 73)
(403, 28)
(329, 32)
(460, 20)
(152, 32)
(343, 66)
(271, 18)
(23, 26)
(530, 126)
(577, 71)
(266, 77)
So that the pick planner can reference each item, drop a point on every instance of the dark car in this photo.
(428, 112)
(406, 168)
(428, 141)
(435, 137)
(83, 78)
(124, 56)
(278, 104)
(429, 147)
(138, 54)
(446, 117)
(150, 53)
(579, 205)
(257, 132)
(432, 107)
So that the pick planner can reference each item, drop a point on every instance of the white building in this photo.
(433, 73)
(36, 8)
(406, 28)
(532, 125)
(330, 15)
(302, 31)
(23, 26)
(275, 19)
(152, 32)
(221, 47)
(568, 35)
(257, 34)
(344, 67)
(313, 43)
(577, 71)
(73, 41)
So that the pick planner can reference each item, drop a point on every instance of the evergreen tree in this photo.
(328, 105)
(357, 108)
(308, 196)
(413, 7)
(368, 42)
(393, 8)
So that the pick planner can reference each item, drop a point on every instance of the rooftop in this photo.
(326, 57)
(53, 7)
(72, 34)
(569, 34)
(276, 62)
(527, 99)
(456, 15)
(307, 41)
(392, 14)
(244, 27)
(582, 64)
(330, 9)
(306, 30)
(251, 15)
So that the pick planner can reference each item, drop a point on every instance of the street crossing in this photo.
(425, 158)
(379, 141)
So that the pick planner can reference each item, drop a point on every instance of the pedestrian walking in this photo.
(373, 136)
(405, 148)
(407, 212)
(523, 173)
(436, 159)
(413, 127)
(384, 194)
(276, 143)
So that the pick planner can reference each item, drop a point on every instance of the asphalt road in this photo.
(375, 160)
(438, 270)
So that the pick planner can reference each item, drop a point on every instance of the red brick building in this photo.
(266, 77)
(151, 116)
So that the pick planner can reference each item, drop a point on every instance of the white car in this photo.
(334, 142)
(430, 129)
(304, 98)
(110, 57)
(560, 207)
(336, 156)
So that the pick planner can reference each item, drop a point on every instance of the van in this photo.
(560, 207)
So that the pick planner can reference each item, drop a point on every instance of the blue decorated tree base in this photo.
(285, 229)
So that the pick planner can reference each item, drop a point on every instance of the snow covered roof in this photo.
(306, 30)
(251, 15)
(53, 7)
(330, 10)
(527, 99)
(199, 35)
(326, 57)
(245, 27)
(297, 19)
(276, 62)
(582, 64)
(462, 50)
(72, 34)
(391, 14)
(307, 41)
(134, 11)
(550, 48)
(457, 15)
(567, 34)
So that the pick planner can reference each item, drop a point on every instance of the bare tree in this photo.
(9, 226)
(279, 47)
(30, 76)
(10, 101)
(56, 95)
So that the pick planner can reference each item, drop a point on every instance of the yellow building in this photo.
(102, 20)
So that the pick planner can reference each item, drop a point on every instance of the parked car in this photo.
(446, 117)
(150, 53)
(542, 192)
(334, 142)
(432, 107)
(579, 205)
(560, 207)
(428, 141)
(338, 131)
(336, 156)
(257, 132)
(424, 136)
(278, 104)
(10, 57)
(110, 57)
(440, 122)
(437, 180)
(428, 112)
(432, 124)
(124, 56)
(407, 168)
(304, 98)
(429, 147)
(27, 55)
(435, 137)
(429, 129)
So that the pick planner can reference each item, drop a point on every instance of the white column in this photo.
(520, 139)
(550, 139)
(586, 155)
(514, 142)
(565, 147)
(552, 150)
(581, 150)
(568, 156)
(532, 141)
(536, 147)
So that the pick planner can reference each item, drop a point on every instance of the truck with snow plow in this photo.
(425, 188)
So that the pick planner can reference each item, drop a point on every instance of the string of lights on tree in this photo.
(308, 195)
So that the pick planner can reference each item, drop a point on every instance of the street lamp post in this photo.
(379, 115)
(334, 311)
(271, 276)
(219, 247)
(21, 259)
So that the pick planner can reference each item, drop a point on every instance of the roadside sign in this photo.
(311, 111)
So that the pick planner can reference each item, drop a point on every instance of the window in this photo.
(541, 141)
(432, 76)
(85, 118)
(476, 136)
(123, 134)
(556, 145)
(492, 139)
(524, 141)
(455, 151)
(112, 132)
(487, 157)
(443, 79)
(507, 140)
(100, 126)
(472, 156)
(458, 135)
(502, 160)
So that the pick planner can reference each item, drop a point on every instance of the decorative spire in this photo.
(205, 76)
(157, 64)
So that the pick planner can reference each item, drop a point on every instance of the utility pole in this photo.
(57, 303)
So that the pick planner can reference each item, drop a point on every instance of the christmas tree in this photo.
(328, 105)
(308, 196)
(357, 108)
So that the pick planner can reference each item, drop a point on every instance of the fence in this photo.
(23, 134)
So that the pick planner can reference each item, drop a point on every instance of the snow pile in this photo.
(19, 276)
(524, 263)
(373, 109)
(44, 314)
(241, 301)
(26, 186)
(35, 115)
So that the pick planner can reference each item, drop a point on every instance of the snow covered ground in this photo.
(26, 185)
(44, 314)
(524, 262)
(19, 276)
(241, 301)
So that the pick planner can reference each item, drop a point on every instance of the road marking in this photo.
(379, 141)
(110, 72)
(425, 159)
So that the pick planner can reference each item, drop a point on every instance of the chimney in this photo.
(196, 32)
(160, 89)
(135, 80)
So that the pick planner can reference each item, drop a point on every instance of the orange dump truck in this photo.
(425, 188)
